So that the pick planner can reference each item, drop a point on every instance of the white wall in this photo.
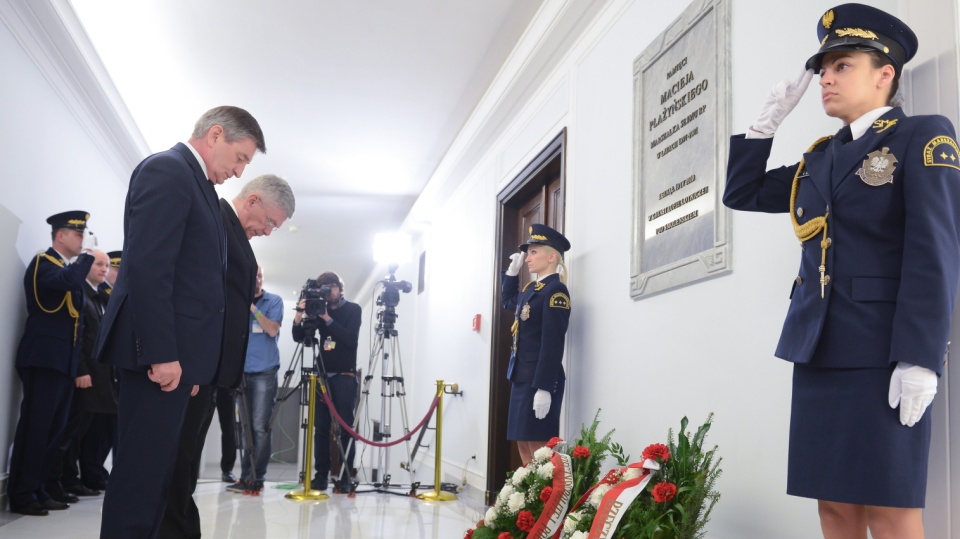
(49, 165)
(700, 349)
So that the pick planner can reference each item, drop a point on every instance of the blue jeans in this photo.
(260, 392)
(343, 393)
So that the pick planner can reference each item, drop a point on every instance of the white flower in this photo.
(632, 473)
(570, 523)
(579, 535)
(516, 502)
(598, 493)
(491, 515)
(519, 476)
(505, 492)
(546, 470)
(544, 453)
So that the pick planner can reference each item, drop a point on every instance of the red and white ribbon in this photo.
(555, 509)
(617, 499)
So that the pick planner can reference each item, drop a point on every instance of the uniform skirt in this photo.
(847, 445)
(522, 425)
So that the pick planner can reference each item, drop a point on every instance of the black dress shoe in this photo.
(54, 505)
(80, 490)
(63, 497)
(228, 477)
(33, 509)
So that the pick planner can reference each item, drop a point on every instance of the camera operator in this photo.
(338, 328)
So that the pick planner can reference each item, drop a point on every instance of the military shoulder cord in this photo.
(67, 298)
(814, 226)
(515, 328)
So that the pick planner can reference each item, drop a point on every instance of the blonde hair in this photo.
(561, 267)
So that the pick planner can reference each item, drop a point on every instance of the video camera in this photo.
(389, 298)
(315, 296)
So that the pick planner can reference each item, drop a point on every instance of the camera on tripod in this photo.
(314, 296)
(389, 298)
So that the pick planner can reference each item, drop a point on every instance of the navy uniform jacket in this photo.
(540, 338)
(168, 302)
(241, 284)
(894, 248)
(51, 339)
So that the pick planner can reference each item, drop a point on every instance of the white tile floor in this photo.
(271, 515)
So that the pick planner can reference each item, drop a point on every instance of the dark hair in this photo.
(878, 60)
(329, 277)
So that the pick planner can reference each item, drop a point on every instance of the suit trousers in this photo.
(149, 423)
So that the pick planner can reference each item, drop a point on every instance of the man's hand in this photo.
(194, 391)
(89, 241)
(84, 381)
(165, 374)
(782, 99)
(913, 388)
(541, 403)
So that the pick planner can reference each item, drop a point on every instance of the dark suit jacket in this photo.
(101, 398)
(51, 336)
(169, 300)
(241, 283)
(894, 252)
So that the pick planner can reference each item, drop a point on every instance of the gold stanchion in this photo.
(437, 494)
(307, 493)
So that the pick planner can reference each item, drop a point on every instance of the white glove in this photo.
(913, 388)
(89, 240)
(516, 260)
(541, 403)
(783, 98)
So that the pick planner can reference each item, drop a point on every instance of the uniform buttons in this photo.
(829, 242)
(220, 310)
(799, 212)
(799, 280)
(826, 279)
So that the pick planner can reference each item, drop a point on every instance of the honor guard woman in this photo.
(542, 312)
(875, 209)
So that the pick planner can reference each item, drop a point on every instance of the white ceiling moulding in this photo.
(51, 35)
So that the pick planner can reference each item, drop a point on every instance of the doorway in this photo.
(536, 195)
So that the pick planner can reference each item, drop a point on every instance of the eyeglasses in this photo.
(270, 222)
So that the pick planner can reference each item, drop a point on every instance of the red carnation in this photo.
(554, 441)
(546, 493)
(581, 452)
(504, 535)
(656, 452)
(481, 523)
(469, 535)
(664, 492)
(525, 521)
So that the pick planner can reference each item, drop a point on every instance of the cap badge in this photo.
(856, 32)
(878, 168)
(538, 237)
(828, 19)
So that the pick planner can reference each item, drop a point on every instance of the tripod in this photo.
(385, 351)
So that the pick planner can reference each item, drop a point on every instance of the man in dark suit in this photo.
(47, 361)
(164, 322)
(263, 204)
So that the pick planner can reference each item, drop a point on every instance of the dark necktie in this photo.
(844, 135)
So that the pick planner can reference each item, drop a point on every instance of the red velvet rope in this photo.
(333, 412)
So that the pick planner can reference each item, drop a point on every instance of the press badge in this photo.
(256, 327)
(329, 344)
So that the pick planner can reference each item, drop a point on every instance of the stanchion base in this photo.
(437, 496)
(304, 495)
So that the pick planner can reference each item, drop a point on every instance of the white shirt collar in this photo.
(196, 154)
(861, 124)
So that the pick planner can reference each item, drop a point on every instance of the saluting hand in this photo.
(782, 99)
(516, 260)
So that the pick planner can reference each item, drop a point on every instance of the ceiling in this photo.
(358, 100)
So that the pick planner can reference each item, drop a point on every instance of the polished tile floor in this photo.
(228, 515)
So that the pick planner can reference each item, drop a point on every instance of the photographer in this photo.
(337, 322)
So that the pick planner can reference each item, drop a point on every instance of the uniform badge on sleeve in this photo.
(560, 301)
(941, 152)
(878, 168)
